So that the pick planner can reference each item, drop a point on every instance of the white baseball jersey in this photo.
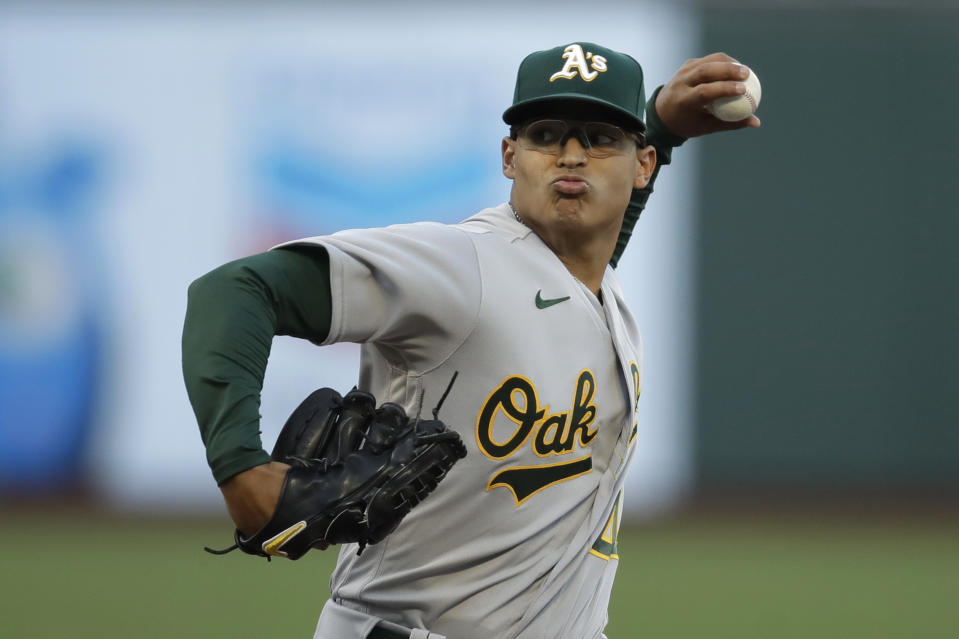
(520, 539)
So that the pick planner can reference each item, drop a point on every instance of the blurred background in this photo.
(798, 464)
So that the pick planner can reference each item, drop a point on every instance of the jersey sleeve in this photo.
(660, 137)
(412, 290)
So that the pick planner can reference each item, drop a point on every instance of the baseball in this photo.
(739, 107)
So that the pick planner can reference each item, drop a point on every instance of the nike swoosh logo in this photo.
(541, 303)
(272, 545)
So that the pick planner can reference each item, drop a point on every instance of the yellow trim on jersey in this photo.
(564, 431)
(607, 535)
(561, 423)
(609, 538)
(490, 486)
(476, 429)
(595, 552)
(555, 433)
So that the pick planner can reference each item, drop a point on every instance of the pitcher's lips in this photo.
(570, 184)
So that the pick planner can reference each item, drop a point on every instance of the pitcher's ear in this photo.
(509, 157)
(646, 166)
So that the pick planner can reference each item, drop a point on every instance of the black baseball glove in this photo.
(356, 471)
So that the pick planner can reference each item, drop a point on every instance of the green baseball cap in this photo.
(578, 79)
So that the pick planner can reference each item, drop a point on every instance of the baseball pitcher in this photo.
(473, 480)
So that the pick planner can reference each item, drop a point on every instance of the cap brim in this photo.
(574, 105)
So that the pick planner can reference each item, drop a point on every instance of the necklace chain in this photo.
(515, 214)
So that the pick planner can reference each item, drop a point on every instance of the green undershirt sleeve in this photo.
(658, 136)
(234, 311)
(232, 314)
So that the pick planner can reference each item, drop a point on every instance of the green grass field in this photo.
(699, 577)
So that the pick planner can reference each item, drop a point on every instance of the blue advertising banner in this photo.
(211, 134)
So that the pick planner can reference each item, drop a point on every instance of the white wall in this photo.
(224, 130)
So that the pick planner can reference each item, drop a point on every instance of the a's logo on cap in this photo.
(576, 62)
